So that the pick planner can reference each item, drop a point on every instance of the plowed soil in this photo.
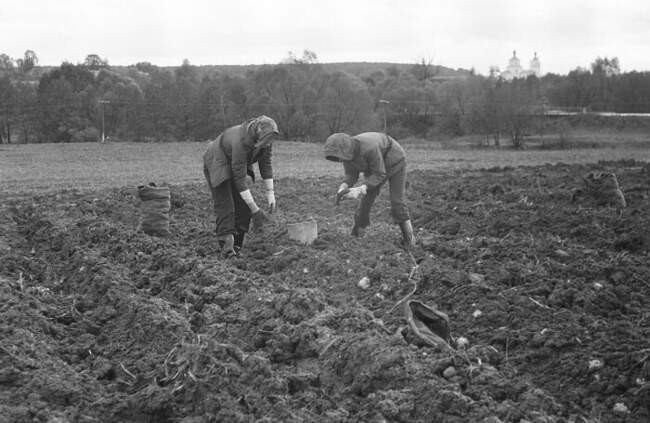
(100, 322)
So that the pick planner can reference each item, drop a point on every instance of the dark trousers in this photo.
(232, 215)
(397, 193)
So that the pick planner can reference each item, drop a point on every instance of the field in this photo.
(34, 168)
(100, 322)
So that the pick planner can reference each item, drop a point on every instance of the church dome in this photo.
(535, 66)
(514, 60)
(535, 62)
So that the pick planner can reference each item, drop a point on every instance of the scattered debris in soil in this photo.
(547, 298)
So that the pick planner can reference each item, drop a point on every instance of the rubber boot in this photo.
(239, 240)
(358, 231)
(408, 239)
(228, 246)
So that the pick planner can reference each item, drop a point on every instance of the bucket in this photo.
(303, 232)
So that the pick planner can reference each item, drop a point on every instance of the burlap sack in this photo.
(154, 209)
(604, 188)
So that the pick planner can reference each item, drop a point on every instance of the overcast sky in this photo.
(455, 33)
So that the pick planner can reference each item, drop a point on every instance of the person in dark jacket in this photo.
(227, 162)
(381, 159)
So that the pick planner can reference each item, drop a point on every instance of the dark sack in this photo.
(154, 209)
(428, 324)
(604, 188)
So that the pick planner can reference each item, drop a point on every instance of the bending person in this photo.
(226, 164)
(380, 158)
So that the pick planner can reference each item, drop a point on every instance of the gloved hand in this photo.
(248, 199)
(356, 192)
(259, 219)
(270, 194)
(270, 198)
(343, 189)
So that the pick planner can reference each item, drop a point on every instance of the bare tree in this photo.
(425, 70)
(6, 62)
(28, 62)
(94, 62)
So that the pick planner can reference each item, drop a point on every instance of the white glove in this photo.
(270, 194)
(356, 192)
(340, 194)
(248, 199)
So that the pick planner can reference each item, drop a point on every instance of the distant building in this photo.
(535, 67)
(514, 69)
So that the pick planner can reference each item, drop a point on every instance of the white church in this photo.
(514, 69)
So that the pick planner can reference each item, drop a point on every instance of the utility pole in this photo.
(103, 102)
(384, 104)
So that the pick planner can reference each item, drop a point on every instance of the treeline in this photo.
(89, 100)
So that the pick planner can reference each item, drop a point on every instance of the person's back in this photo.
(380, 158)
(392, 152)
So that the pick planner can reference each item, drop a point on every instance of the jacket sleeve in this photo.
(239, 165)
(264, 163)
(376, 168)
(351, 174)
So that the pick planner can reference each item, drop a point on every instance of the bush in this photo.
(89, 134)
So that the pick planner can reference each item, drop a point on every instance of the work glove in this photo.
(343, 189)
(270, 194)
(248, 199)
(259, 219)
(356, 192)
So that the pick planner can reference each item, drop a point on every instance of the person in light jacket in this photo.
(227, 162)
(381, 159)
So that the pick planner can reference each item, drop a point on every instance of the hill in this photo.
(355, 68)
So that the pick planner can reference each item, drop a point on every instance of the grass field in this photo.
(35, 168)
